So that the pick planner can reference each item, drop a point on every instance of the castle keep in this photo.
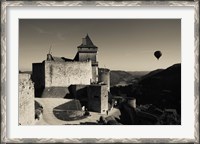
(56, 75)
(88, 51)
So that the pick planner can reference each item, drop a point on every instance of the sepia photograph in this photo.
(99, 72)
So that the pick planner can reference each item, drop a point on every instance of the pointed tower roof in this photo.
(87, 43)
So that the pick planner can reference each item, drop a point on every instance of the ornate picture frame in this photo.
(47, 4)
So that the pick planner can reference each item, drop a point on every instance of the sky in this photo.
(123, 44)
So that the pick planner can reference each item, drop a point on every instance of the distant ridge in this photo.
(161, 88)
(119, 77)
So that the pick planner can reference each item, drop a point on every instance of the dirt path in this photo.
(48, 105)
(49, 118)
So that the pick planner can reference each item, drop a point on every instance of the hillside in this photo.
(138, 74)
(123, 78)
(161, 88)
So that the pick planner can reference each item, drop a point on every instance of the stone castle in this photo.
(56, 77)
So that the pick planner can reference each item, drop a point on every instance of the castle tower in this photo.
(98, 98)
(88, 51)
(104, 76)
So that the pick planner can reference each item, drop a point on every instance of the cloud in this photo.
(60, 36)
(41, 31)
(57, 35)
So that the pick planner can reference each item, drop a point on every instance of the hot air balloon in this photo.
(157, 54)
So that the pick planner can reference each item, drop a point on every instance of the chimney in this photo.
(49, 57)
(84, 41)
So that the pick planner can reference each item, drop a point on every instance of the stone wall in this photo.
(55, 92)
(104, 76)
(94, 98)
(104, 98)
(93, 57)
(63, 74)
(98, 98)
(26, 100)
(94, 74)
(94, 50)
(86, 56)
